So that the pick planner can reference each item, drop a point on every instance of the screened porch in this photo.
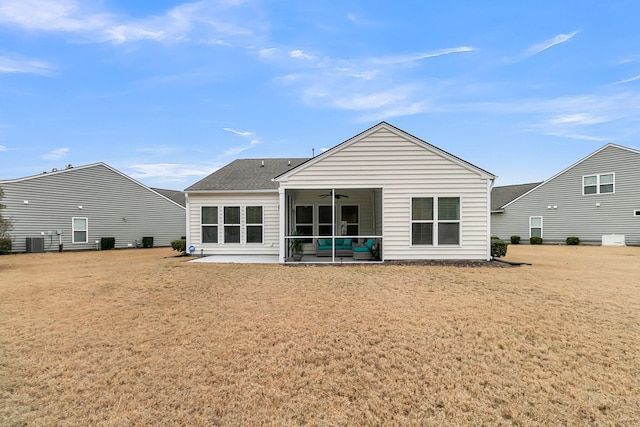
(336, 225)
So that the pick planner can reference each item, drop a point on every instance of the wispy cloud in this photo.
(24, 66)
(542, 46)
(3, 148)
(632, 79)
(402, 59)
(56, 154)
(253, 141)
(200, 21)
(268, 52)
(169, 172)
(51, 15)
(238, 132)
(577, 119)
(581, 137)
(365, 84)
(301, 54)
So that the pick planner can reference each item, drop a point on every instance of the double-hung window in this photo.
(422, 221)
(209, 220)
(598, 184)
(80, 230)
(435, 221)
(448, 220)
(232, 224)
(535, 226)
(254, 224)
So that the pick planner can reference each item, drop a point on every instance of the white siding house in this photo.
(76, 206)
(415, 200)
(595, 197)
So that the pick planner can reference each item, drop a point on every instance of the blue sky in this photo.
(168, 91)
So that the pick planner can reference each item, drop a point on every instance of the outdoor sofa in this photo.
(344, 247)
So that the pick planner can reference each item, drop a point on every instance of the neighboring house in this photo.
(414, 200)
(76, 206)
(502, 195)
(175, 195)
(597, 196)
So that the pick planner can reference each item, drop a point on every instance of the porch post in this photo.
(333, 221)
(282, 211)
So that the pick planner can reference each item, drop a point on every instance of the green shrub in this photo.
(535, 240)
(573, 240)
(147, 242)
(498, 248)
(5, 245)
(515, 240)
(179, 245)
(107, 243)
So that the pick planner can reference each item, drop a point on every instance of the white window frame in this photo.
(225, 224)
(73, 229)
(254, 224)
(216, 224)
(436, 221)
(598, 183)
(541, 225)
(636, 212)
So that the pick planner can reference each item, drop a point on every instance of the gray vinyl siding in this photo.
(106, 197)
(269, 203)
(404, 169)
(577, 214)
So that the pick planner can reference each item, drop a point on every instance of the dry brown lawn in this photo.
(141, 337)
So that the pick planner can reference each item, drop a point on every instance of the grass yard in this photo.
(140, 337)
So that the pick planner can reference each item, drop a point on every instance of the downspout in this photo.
(282, 211)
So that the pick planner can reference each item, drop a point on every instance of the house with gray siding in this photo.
(382, 187)
(596, 199)
(77, 206)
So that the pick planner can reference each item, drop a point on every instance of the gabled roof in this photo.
(501, 196)
(69, 169)
(246, 175)
(604, 147)
(384, 125)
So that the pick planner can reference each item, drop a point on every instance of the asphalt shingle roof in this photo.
(246, 174)
(500, 196)
(175, 195)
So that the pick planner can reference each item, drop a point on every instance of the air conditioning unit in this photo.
(35, 245)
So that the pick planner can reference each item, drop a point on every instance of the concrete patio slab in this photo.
(239, 259)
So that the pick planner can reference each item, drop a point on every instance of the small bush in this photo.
(107, 243)
(179, 245)
(5, 245)
(498, 248)
(535, 240)
(147, 242)
(573, 240)
(515, 240)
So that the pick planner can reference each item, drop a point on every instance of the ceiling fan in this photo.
(337, 196)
